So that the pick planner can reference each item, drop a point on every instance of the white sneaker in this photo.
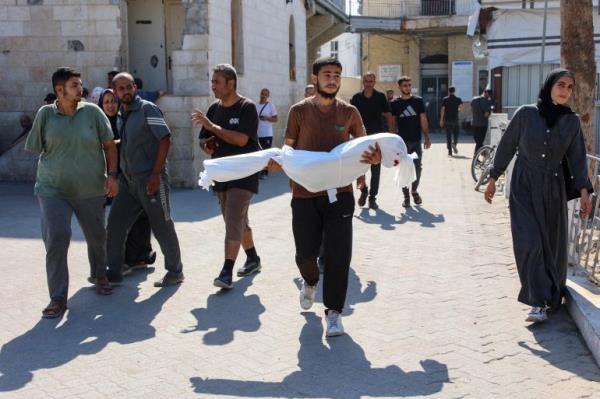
(537, 314)
(307, 295)
(334, 324)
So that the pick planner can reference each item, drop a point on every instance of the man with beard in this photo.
(411, 123)
(320, 123)
(75, 143)
(144, 183)
(230, 128)
(373, 106)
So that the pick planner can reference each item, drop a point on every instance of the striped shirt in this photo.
(142, 129)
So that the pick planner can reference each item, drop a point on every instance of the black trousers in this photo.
(315, 220)
(452, 131)
(374, 187)
(265, 143)
(479, 133)
(415, 146)
(139, 246)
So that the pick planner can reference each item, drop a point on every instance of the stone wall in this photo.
(36, 37)
(266, 56)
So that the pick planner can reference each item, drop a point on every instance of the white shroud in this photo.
(317, 171)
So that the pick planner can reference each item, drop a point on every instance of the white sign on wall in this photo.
(462, 79)
(389, 72)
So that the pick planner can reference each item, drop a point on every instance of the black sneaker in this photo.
(373, 204)
(251, 266)
(406, 202)
(113, 278)
(170, 279)
(362, 200)
(224, 280)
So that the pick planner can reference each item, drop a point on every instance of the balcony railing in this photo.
(410, 8)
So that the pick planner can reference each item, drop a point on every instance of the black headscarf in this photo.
(547, 108)
(112, 119)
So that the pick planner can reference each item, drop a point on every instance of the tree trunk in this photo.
(577, 55)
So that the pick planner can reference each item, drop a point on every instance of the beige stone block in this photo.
(70, 13)
(85, 58)
(202, 103)
(41, 13)
(18, 13)
(33, 89)
(40, 73)
(106, 57)
(199, 72)
(182, 57)
(11, 28)
(195, 42)
(47, 28)
(78, 28)
(107, 12)
(105, 42)
(179, 72)
(179, 119)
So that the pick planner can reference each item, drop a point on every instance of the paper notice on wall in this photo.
(462, 79)
(389, 72)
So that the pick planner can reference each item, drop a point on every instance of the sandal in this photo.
(417, 198)
(54, 309)
(103, 286)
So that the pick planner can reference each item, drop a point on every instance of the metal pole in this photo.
(543, 43)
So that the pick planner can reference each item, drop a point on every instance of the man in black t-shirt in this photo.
(411, 123)
(451, 106)
(230, 128)
(372, 104)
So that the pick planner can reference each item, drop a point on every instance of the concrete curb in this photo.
(583, 304)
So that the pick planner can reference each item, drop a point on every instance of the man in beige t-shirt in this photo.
(320, 123)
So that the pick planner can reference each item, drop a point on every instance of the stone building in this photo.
(425, 39)
(170, 44)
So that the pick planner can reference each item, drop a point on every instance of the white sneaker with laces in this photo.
(537, 314)
(307, 295)
(334, 324)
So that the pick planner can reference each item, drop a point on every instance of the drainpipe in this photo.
(543, 43)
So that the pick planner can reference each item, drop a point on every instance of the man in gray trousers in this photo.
(75, 143)
(143, 184)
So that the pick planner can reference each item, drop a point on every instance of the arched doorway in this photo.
(155, 30)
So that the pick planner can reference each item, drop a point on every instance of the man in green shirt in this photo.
(75, 143)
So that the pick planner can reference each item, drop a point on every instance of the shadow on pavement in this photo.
(91, 323)
(418, 214)
(555, 337)
(17, 199)
(227, 312)
(197, 205)
(355, 294)
(386, 221)
(339, 369)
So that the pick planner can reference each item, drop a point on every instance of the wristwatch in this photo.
(113, 174)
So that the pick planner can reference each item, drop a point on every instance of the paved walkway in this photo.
(431, 310)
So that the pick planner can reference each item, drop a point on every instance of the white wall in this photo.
(266, 57)
(348, 53)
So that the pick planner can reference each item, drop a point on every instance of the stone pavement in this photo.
(431, 310)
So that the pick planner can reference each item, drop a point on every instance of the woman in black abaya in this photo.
(542, 134)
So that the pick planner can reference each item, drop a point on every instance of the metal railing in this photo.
(410, 8)
(584, 233)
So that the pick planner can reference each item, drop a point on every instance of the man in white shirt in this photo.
(267, 116)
